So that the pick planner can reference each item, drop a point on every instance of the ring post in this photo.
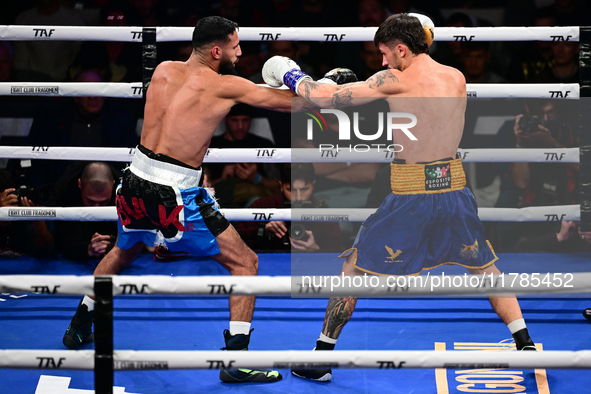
(585, 126)
(149, 62)
(103, 328)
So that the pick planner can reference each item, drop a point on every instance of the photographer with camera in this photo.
(544, 124)
(15, 236)
(297, 186)
(86, 185)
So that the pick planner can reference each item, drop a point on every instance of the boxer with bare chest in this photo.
(161, 199)
(430, 218)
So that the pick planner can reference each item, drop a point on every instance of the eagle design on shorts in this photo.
(470, 251)
(392, 254)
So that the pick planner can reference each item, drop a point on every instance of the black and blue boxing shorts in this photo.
(160, 200)
(429, 219)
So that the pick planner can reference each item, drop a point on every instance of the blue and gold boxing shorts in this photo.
(160, 200)
(428, 220)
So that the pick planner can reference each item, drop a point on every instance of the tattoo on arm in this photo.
(342, 98)
(381, 78)
(338, 313)
(309, 87)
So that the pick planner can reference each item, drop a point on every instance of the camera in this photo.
(529, 123)
(297, 230)
(43, 195)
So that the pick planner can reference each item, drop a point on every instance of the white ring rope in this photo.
(309, 286)
(179, 359)
(134, 90)
(77, 89)
(331, 34)
(345, 153)
(554, 213)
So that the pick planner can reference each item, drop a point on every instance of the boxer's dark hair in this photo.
(212, 29)
(403, 28)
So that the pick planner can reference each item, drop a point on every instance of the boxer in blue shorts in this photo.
(160, 199)
(430, 218)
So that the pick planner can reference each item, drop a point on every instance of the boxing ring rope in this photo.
(98, 214)
(305, 286)
(330, 34)
(381, 154)
(134, 90)
(105, 360)
(125, 360)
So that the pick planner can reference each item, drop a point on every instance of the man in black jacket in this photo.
(86, 185)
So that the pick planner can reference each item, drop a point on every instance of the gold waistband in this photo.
(430, 178)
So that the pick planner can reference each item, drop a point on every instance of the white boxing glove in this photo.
(280, 70)
(428, 27)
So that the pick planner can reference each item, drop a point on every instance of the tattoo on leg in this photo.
(338, 313)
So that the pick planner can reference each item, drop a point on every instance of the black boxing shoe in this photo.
(523, 342)
(80, 330)
(318, 374)
(244, 375)
(587, 314)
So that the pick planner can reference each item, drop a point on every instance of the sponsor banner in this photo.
(72, 89)
(487, 377)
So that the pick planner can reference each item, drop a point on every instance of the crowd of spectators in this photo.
(108, 122)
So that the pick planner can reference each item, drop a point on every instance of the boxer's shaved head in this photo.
(405, 29)
(212, 29)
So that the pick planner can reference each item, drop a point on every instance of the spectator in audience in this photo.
(372, 60)
(297, 188)
(274, 13)
(343, 185)
(290, 49)
(475, 59)
(238, 184)
(6, 61)
(545, 124)
(569, 12)
(46, 60)
(86, 185)
(239, 11)
(149, 13)
(566, 62)
(82, 122)
(428, 8)
(450, 52)
(281, 121)
(18, 238)
(115, 61)
(566, 238)
(532, 62)
(370, 13)
(319, 13)
(251, 61)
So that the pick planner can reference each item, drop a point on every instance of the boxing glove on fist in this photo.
(280, 70)
(428, 27)
(339, 76)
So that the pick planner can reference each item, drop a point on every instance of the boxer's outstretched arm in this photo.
(244, 91)
(384, 83)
